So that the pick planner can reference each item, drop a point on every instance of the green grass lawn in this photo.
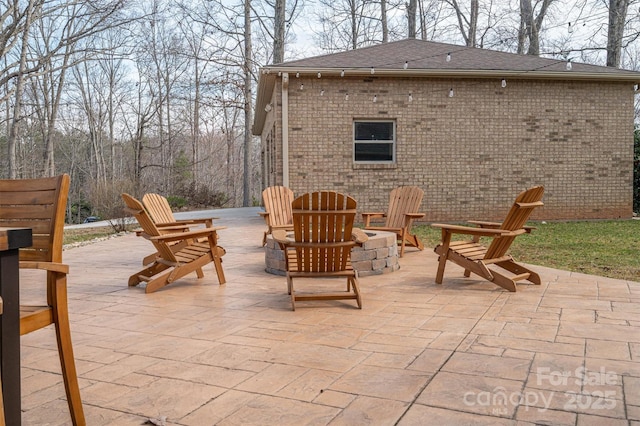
(605, 248)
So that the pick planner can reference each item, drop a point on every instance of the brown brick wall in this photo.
(473, 152)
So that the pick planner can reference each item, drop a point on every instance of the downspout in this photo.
(285, 129)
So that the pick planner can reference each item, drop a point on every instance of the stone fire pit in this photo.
(379, 255)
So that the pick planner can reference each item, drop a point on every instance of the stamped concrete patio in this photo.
(466, 352)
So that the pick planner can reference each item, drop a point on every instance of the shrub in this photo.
(176, 202)
(78, 212)
(203, 196)
(107, 203)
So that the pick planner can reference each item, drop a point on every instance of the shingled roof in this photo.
(428, 55)
(419, 58)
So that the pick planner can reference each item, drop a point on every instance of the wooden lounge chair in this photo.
(404, 203)
(277, 204)
(475, 257)
(160, 212)
(323, 237)
(178, 254)
(40, 204)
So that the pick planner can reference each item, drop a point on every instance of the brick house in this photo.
(472, 127)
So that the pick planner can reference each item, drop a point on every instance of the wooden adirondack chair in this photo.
(404, 203)
(172, 262)
(476, 258)
(160, 212)
(40, 204)
(323, 236)
(277, 204)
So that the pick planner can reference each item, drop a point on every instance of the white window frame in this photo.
(392, 141)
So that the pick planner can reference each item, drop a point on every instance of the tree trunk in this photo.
(468, 26)
(411, 17)
(196, 126)
(248, 116)
(383, 19)
(279, 31)
(615, 31)
(354, 25)
(473, 24)
(530, 26)
(17, 108)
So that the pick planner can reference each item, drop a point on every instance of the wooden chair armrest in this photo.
(171, 226)
(265, 216)
(184, 222)
(468, 230)
(485, 224)
(280, 236)
(196, 233)
(359, 236)
(415, 215)
(45, 266)
(366, 217)
(534, 204)
(410, 217)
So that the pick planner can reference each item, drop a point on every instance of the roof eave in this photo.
(265, 92)
(470, 73)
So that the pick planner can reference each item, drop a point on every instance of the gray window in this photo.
(374, 141)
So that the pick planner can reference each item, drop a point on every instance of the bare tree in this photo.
(383, 21)
(412, 9)
(22, 32)
(348, 24)
(50, 33)
(248, 98)
(468, 24)
(615, 30)
(279, 26)
(530, 25)
(274, 20)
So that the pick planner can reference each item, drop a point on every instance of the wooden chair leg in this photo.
(219, 271)
(416, 242)
(199, 273)
(293, 294)
(2, 421)
(443, 251)
(356, 290)
(65, 350)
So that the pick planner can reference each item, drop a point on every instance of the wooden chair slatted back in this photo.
(39, 204)
(323, 224)
(277, 202)
(402, 200)
(158, 208)
(136, 208)
(516, 219)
